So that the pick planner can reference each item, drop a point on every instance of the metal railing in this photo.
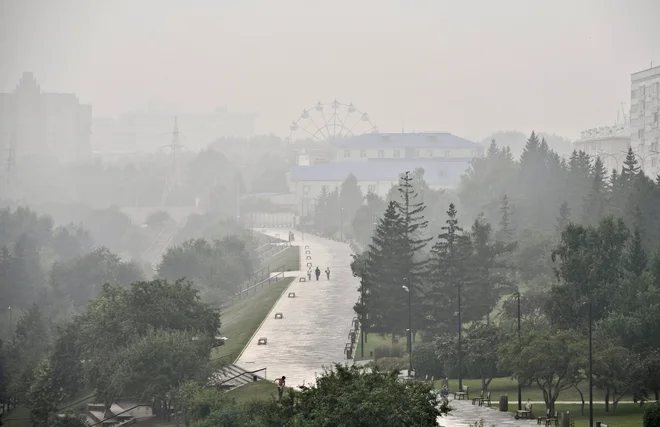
(244, 373)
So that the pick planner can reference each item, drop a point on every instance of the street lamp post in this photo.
(460, 356)
(519, 387)
(407, 289)
(591, 379)
(364, 315)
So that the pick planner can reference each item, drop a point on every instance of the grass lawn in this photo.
(242, 319)
(506, 385)
(627, 414)
(290, 257)
(260, 390)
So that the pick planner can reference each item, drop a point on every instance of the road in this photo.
(315, 324)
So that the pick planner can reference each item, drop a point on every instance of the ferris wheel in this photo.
(330, 122)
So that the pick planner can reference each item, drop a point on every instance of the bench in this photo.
(548, 419)
(483, 400)
(465, 394)
(526, 412)
(476, 399)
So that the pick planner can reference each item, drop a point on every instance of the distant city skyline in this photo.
(470, 69)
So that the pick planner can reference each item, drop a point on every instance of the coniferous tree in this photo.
(630, 166)
(594, 204)
(411, 261)
(564, 217)
(505, 233)
(636, 259)
(385, 304)
(449, 272)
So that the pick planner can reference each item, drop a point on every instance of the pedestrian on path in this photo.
(309, 274)
(318, 273)
(327, 272)
(281, 383)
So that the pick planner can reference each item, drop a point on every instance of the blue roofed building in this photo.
(378, 159)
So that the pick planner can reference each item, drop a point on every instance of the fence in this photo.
(251, 373)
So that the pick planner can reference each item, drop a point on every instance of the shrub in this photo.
(652, 415)
(388, 364)
(388, 350)
(426, 362)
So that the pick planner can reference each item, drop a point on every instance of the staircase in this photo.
(231, 377)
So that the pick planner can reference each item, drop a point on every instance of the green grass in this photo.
(242, 319)
(290, 257)
(506, 385)
(627, 415)
(260, 390)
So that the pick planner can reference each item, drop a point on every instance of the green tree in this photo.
(617, 370)
(43, 395)
(594, 205)
(350, 396)
(505, 232)
(69, 420)
(636, 257)
(450, 272)
(555, 369)
(564, 217)
(350, 198)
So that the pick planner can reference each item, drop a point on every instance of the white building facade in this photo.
(378, 160)
(610, 143)
(645, 118)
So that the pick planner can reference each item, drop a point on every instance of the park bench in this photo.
(526, 412)
(463, 394)
(548, 419)
(483, 400)
(476, 399)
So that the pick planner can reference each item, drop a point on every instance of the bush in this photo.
(652, 415)
(425, 361)
(388, 350)
(388, 364)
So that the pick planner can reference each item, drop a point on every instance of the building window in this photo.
(397, 154)
(430, 153)
(363, 153)
(417, 153)
(306, 189)
(447, 153)
(371, 188)
(633, 94)
(381, 154)
(654, 162)
(654, 146)
(347, 153)
(640, 134)
(655, 117)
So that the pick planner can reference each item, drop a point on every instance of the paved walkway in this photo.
(464, 414)
(315, 323)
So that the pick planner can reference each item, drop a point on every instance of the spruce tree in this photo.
(636, 259)
(594, 204)
(630, 166)
(411, 258)
(505, 233)
(564, 217)
(449, 270)
(385, 303)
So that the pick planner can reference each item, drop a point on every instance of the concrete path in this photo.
(464, 414)
(315, 323)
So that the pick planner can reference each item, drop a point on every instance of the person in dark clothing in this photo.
(318, 273)
(327, 272)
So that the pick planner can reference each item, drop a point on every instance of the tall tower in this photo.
(174, 179)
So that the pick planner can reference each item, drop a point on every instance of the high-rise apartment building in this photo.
(645, 118)
(36, 123)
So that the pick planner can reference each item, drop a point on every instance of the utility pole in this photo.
(364, 315)
(519, 346)
(591, 378)
(174, 180)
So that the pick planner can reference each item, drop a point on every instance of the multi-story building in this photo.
(378, 159)
(645, 118)
(36, 123)
(610, 143)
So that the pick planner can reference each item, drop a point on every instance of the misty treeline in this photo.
(212, 177)
(560, 234)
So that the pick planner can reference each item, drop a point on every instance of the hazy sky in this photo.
(467, 67)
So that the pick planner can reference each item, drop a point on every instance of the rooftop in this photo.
(436, 172)
(605, 132)
(408, 140)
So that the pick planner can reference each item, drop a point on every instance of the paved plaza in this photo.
(465, 413)
(315, 324)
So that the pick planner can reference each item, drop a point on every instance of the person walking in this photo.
(281, 383)
(318, 273)
(327, 272)
(309, 274)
